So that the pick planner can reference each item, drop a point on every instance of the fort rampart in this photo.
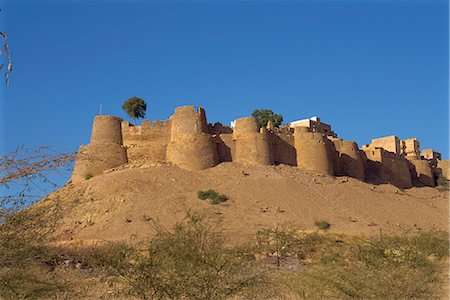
(188, 141)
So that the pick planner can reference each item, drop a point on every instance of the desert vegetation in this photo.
(265, 115)
(213, 196)
(384, 267)
(442, 182)
(135, 107)
(192, 261)
(322, 224)
(25, 170)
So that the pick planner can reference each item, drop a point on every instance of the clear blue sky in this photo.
(368, 68)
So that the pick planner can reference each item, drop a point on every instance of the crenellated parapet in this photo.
(188, 120)
(146, 143)
(387, 167)
(189, 142)
(191, 147)
(395, 154)
(157, 131)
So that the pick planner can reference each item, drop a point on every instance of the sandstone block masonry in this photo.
(190, 142)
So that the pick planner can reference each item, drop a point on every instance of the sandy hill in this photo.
(126, 203)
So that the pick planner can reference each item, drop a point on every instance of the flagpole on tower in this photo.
(101, 109)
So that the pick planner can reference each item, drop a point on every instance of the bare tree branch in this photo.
(28, 170)
(7, 54)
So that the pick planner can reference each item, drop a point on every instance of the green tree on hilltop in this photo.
(135, 107)
(265, 115)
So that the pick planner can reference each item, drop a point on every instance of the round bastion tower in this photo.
(252, 143)
(349, 162)
(191, 147)
(312, 152)
(105, 150)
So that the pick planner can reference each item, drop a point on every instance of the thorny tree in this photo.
(25, 170)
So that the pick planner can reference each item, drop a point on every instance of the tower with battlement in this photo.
(348, 160)
(105, 150)
(252, 144)
(191, 146)
(313, 153)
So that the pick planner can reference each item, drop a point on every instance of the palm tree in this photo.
(135, 107)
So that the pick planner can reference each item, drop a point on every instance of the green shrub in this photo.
(202, 195)
(215, 198)
(26, 262)
(214, 201)
(212, 194)
(277, 241)
(188, 262)
(88, 176)
(442, 182)
(322, 224)
(221, 198)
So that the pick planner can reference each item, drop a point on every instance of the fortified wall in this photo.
(188, 141)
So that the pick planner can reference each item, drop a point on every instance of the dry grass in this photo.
(190, 261)
(388, 267)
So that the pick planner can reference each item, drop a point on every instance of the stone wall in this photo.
(104, 152)
(188, 141)
(283, 145)
(106, 129)
(312, 152)
(387, 167)
(430, 154)
(348, 159)
(444, 168)
(191, 147)
(94, 159)
(252, 145)
(411, 147)
(388, 143)
(146, 143)
(422, 172)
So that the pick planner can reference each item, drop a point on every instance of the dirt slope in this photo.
(126, 203)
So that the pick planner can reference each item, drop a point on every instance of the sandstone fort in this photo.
(188, 141)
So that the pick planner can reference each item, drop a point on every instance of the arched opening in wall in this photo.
(196, 109)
